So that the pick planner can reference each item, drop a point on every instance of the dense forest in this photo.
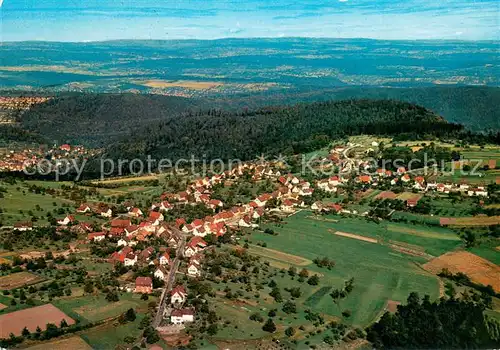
(274, 130)
(95, 119)
(473, 106)
(10, 134)
(443, 324)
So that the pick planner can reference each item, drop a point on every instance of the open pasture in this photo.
(428, 232)
(97, 308)
(19, 279)
(111, 336)
(31, 318)
(478, 269)
(18, 201)
(471, 221)
(279, 255)
(379, 273)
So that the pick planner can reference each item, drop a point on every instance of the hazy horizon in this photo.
(106, 20)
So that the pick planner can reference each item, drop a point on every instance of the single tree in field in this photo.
(269, 326)
(25, 332)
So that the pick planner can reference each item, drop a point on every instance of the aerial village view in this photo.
(249, 175)
(261, 252)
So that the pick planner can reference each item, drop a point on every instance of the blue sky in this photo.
(92, 20)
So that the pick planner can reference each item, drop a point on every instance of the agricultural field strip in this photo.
(423, 233)
(19, 279)
(31, 318)
(478, 269)
(279, 255)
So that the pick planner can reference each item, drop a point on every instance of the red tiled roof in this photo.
(143, 282)
(120, 223)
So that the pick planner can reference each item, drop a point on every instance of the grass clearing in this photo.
(109, 336)
(434, 233)
(97, 308)
(72, 343)
(18, 201)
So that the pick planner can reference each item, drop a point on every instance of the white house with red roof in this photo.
(83, 208)
(143, 285)
(130, 259)
(155, 217)
(245, 221)
(96, 236)
(214, 204)
(135, 212)
(180, 316)
(164, 259)
(67, 220)
(195, 245)
(194, 269)
(405, 178)
(178, 295)
(161, 272)
(105, 212)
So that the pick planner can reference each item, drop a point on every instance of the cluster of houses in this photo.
(26, 158)
(21, 102)
(401, 175)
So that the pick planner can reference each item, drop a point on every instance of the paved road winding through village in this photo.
(170, 281)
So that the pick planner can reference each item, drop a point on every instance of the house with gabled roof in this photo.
(194, 269)
(245, 221)
(130, 259)
(287, 206)
(104, 211)
(180, 316)
(131, 230)
(161, 272)
(143, 285)
(135, 212)
(214, 204)
(155, 217)
(164, 259)
(96, 236)
(83, 208)
(67, 220)
(178, 295)
(120, 222)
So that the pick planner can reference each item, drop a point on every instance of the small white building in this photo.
(181, 316)
(161, 273)
(194, 269)
(178, 295)
(164, 259)
(130, 259)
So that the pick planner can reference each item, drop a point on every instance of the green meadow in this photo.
(380, 273)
